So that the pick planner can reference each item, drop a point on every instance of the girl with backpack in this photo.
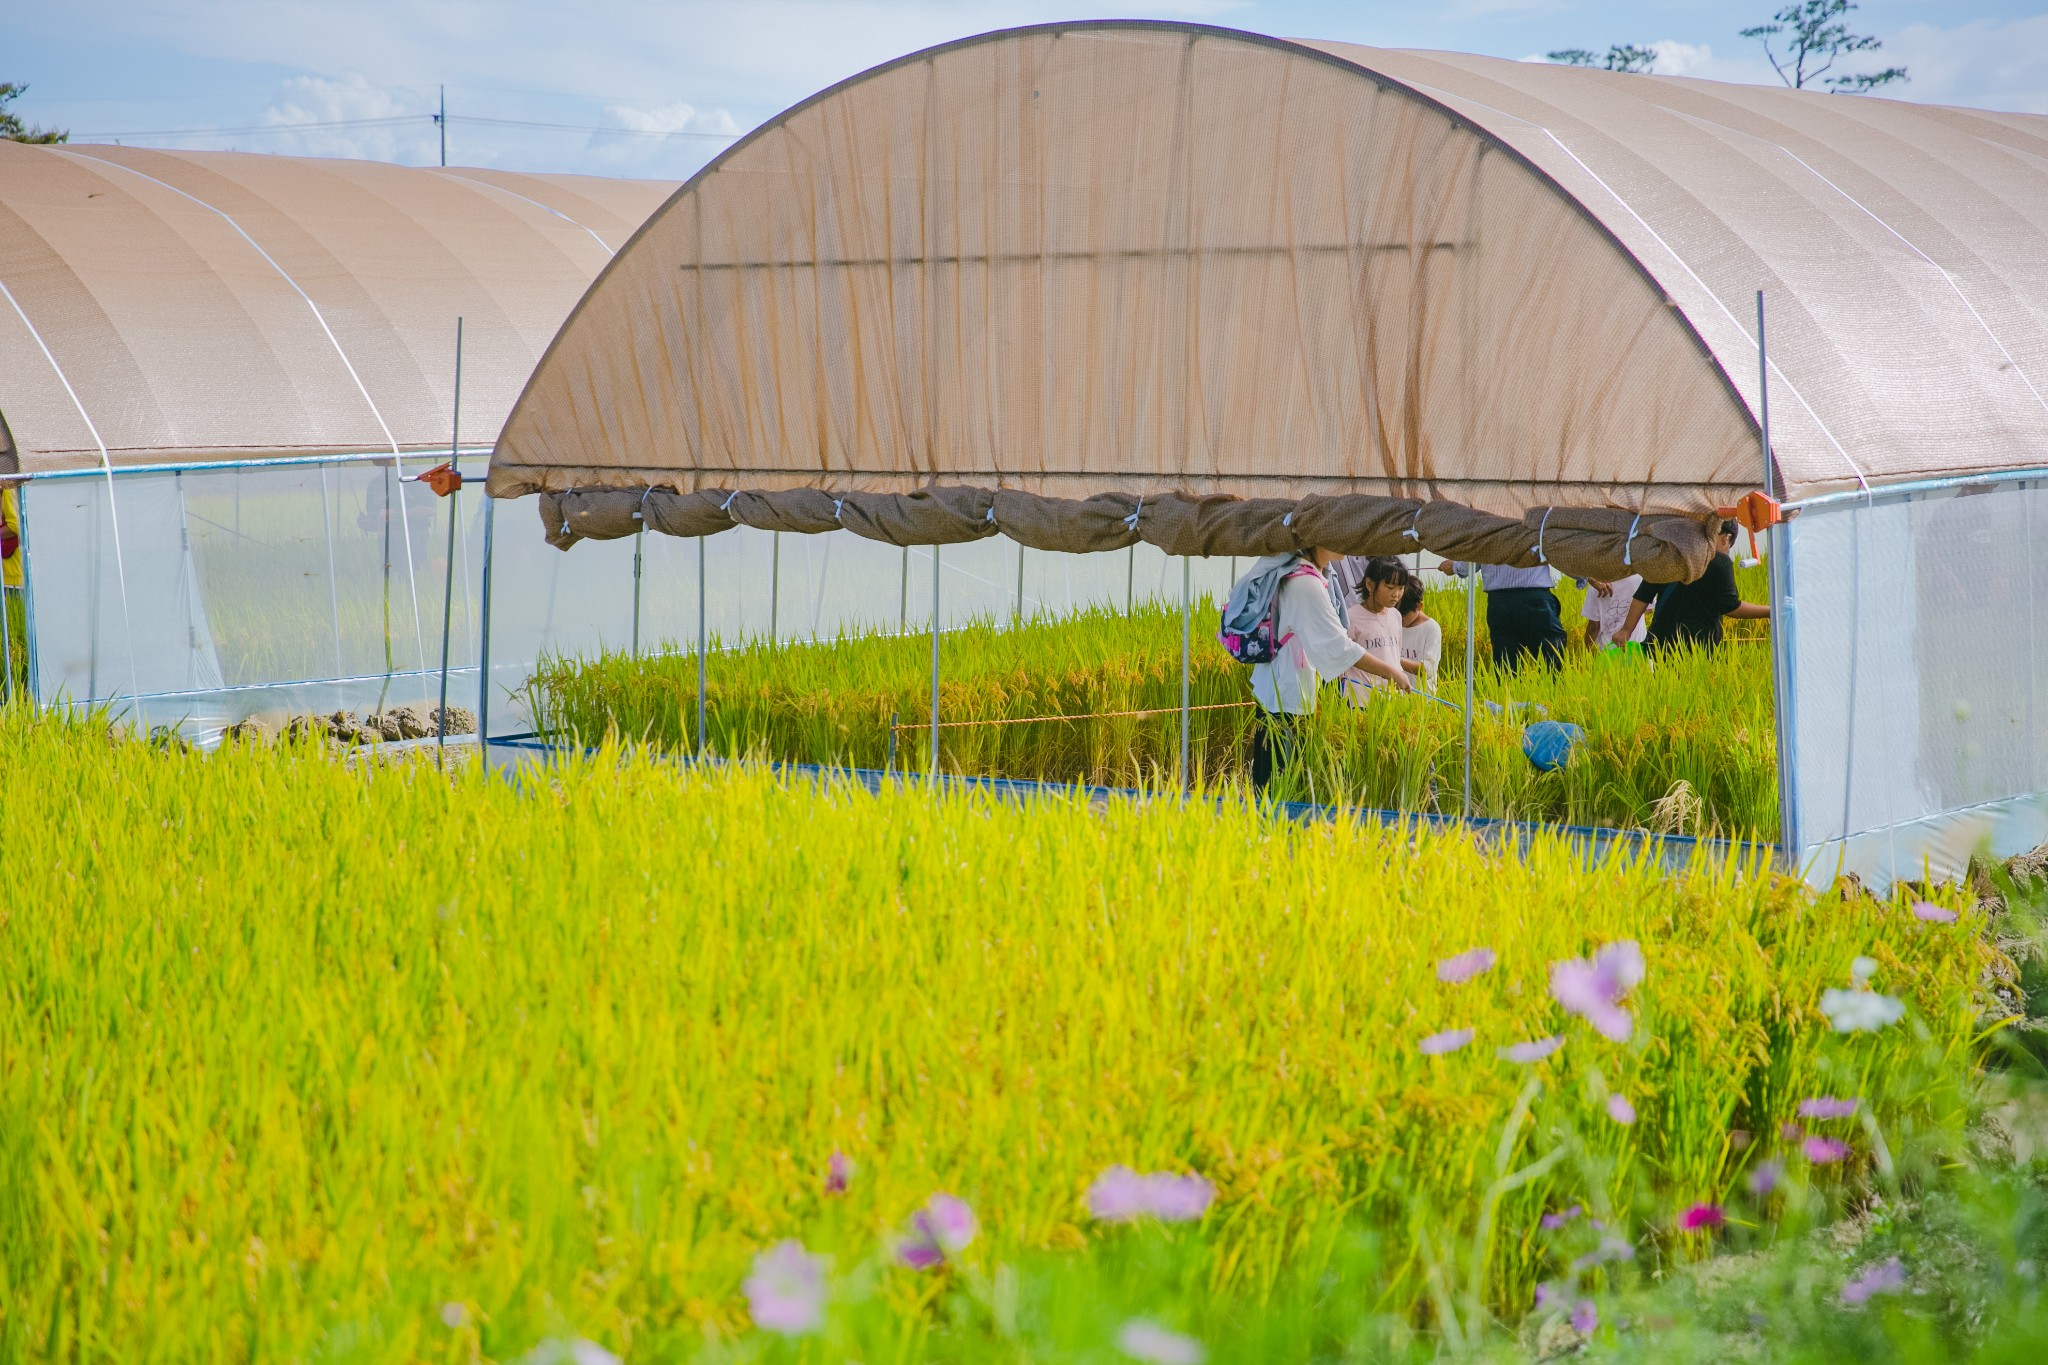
(1281, 620)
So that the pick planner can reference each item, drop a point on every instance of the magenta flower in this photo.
(1148, 1341)
(1932, 913)
(1702, 1216)
(1585, 1317)
(1620, 1110)
(1765, 1178)
(1533, 1051)
(1887, 1277)
(1827, 1107)
(1593, 990)
(1553, 1221)
(1462, 968)
(786, 1292)
(919, 1252)
(838, 1171)
(1547, 1296)
(1823, 1151)
(1450, 1040)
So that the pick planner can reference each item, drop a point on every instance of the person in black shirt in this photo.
(1692, 612)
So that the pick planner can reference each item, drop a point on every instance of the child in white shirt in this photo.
(1422, 637)
(1606, 610)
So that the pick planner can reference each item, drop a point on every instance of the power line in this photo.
(400, 120)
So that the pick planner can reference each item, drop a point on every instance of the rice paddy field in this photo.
(305, 1059)
(1682, 746)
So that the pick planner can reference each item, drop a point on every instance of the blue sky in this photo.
(684, 77)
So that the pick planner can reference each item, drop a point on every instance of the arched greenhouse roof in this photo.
(1149, 260)
(168, 307)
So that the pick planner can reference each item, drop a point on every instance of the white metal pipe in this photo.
(1186, 643)
(703, 644)
(935, 667)
(483, 663)
(1471, 663)
(448, 575)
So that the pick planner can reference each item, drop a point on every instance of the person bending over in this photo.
(1422, 638)
(1606, 606)
(1313, 647)
(1374, 623)
(1522, 617)
(1691, 613)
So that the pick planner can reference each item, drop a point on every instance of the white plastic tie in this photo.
(1131, 521)
(727, 504)
(640, 512)
(991, 517)
(1412, 533)
(1627, 546)
(1287, 520)
(1541, 558)
(837, 503)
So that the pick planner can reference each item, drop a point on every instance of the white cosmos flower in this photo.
(1861, 1011)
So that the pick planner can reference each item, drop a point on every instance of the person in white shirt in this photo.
(1422, 637)
(1374, 622)
(1312, 647)
(1606, 610)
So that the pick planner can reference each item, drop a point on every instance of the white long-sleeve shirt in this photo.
(1316, 648)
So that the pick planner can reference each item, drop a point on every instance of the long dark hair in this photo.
(1383, 569)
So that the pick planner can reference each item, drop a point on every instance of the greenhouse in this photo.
(1111, 286)
(221, 376)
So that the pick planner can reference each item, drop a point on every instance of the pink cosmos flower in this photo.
(1887, 1277)
(1118, 1195)
(1702, 1216)
(1450, 1040)
(838, 1171)
(1822, 1151)
(786, 1292)
(1932, 913)
(1465, 966)
(1585, 1318)
(1121, 1195)
(1593, 990)
(1534, 1051)
(1827, 1107)
(1765, 1178)
(1148, 1341)
(942, 1228)
(1620, 1110)
(1553, 1221)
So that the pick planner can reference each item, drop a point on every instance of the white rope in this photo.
(1540, 526)
(113, 510)
(1628, 546)
(1131, 521)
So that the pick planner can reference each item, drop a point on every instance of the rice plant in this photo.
(300, 1059)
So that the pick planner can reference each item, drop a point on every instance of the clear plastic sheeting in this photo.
(1917, 631)
(279, 589)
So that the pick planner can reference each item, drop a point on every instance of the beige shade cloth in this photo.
(184, 306)
(1145, 259)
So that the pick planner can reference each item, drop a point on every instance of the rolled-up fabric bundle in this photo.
(1612, 542)
(1218, 524)
(613, 513)
(1456, 531)
(1070, 525)
(703, 513)
(930, 516)
(805, 511)
(1357, 523)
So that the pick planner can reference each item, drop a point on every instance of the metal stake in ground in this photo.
(639, 542)
(1471, 662)
(483, 663)
(448, 572)
(935, 667)
(774, 582)
(1186, 637)
(703, 645)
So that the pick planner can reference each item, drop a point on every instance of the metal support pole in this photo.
(703, 644)
(774, 582)
(935, 668)
(1187, 608)
(333, 579)
(483, 668)
(639, 545)
(448, 576)
(442, 119)
(1471, 663)
(1130, 580)
(903, 597)
(1018, 615)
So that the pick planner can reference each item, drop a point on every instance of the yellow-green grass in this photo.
(1701, 719)
(293, 1054)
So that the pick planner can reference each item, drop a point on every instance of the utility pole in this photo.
(442, 119)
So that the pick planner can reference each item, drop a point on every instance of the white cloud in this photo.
(1988, 64)
(1680, 59)
(369, 117)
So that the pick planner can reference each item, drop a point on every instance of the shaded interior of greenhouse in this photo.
(934, 349)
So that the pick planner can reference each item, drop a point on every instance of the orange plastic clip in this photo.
(1753, 512)
(445, 479)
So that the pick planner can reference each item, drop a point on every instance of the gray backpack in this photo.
(1249, 633)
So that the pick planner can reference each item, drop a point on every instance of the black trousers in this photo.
(1274, 742)
(1524, 622)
